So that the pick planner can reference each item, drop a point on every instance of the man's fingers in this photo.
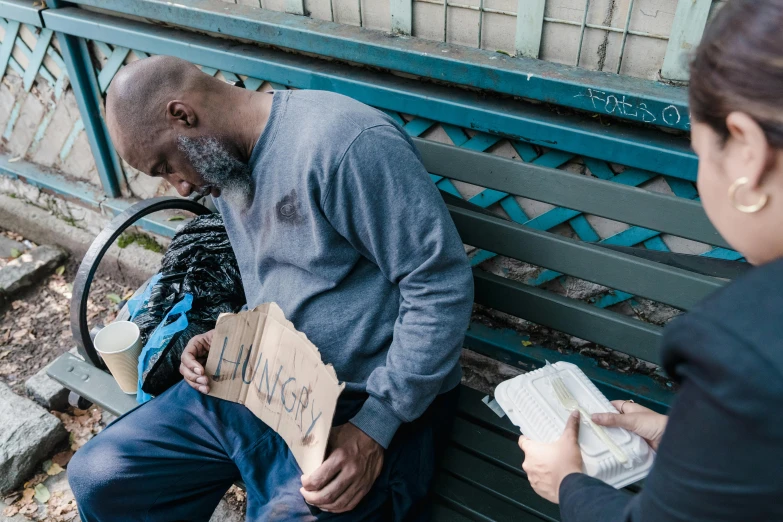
(319, 478)
(329, 497)
(571, 431)
(191, 376)
(198, 382)
(191, 363)
(347, 500)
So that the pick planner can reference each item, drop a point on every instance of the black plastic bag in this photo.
(199, 262)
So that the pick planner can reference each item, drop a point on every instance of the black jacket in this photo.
(721, 457)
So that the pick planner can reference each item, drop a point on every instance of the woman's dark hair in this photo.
(739, 67)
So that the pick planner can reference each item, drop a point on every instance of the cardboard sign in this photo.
(259, 359)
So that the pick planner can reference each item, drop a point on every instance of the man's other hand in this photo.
(345, 477)
(193, 359)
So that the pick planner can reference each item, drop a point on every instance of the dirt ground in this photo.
(35, 327)
(34, 330)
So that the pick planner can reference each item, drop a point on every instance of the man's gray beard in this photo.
(218, 168)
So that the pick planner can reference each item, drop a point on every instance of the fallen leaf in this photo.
(526, 343)
(53, 469)
(27, 495)
(114, 298)
(8, 369)
(42, 494)
(60, 270)
(16, 304)
(35, 480)
(63, 458)
(10, 511)
(29, 509)
(15, 252)
(501, 51)
(12, 498)
(176, 218)
(14, 160)
(20, 333)
(4, 353)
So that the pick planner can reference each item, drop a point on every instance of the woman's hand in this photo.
(646, 423)
(547, 465)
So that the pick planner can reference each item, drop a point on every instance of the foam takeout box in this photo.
(530, 402)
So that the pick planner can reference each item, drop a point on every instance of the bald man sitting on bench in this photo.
(332, 216)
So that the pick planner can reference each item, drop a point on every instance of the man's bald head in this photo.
(139, 93)
(169, 119)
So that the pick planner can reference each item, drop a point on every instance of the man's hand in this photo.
(547, 465)
(193, 359)
(345, 477)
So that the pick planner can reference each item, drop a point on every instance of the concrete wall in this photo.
(601, 49)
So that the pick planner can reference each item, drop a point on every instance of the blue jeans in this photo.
(173, 458)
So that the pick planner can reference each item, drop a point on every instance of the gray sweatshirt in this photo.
(347, 233)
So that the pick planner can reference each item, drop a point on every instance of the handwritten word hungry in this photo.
(265, 390)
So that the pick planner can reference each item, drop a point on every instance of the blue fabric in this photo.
(174, 457)
(348, 234)
(160, 338)
(137, 302)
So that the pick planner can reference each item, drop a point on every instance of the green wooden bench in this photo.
(481, 477)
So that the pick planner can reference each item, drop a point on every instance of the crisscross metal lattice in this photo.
(31, 53)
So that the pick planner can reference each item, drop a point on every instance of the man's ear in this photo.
(181, 114)
(747, 139)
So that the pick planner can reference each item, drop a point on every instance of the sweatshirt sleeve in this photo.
(380, 198)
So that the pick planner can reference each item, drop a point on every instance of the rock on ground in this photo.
(29, 268)
(29, 433)
(224, 513)
(46, 391)
(8, 245)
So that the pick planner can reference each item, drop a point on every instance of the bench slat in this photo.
(567, 315)
(673, 286)
(477, 503)
(509, 487)
(92, 383)
(497, 451)
(471, 407)
(443, 513)
(508, 346)
(669, 214)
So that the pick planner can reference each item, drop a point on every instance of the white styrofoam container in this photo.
(530, 402)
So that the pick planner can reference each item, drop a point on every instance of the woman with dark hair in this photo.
(720, 452)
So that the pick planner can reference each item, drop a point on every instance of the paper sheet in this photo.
(259, 359)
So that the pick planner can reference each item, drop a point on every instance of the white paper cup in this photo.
(120, 346)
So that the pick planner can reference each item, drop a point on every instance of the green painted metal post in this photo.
(294, 7)
(401, 16)
(687, 28)
(530, 23)
(85, 87)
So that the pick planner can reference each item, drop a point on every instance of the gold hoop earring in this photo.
(747, 209)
